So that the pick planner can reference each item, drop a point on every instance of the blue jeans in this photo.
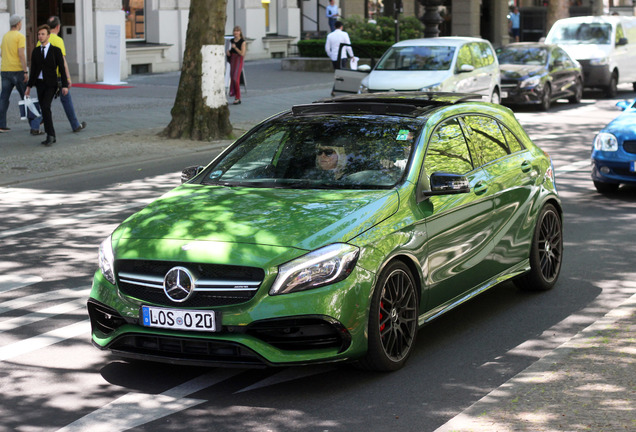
(67, 104)
(10, 80)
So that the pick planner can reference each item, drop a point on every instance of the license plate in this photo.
(632, 166)
(178, 319)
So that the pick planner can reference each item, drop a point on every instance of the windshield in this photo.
(339, 152)
(582, 33)
(420, 58)
(523, 56)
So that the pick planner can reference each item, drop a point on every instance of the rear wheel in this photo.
(546, 252)
(578, 93)
(606, 188)
(546, 98)
(392, 319)
(611, 91)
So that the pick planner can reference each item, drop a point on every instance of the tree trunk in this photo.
(200, 110)
(557, 9)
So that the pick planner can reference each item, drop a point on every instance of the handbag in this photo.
(29, 108)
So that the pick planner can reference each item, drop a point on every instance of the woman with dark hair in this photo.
(236, 55)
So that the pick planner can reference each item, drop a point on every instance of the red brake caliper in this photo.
(381, 308)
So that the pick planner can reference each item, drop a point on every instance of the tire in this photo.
(634, 86)
(546, 98)
(578, 93)
(546, 252)
(606, 188)
(495, 98)
(392, 320)
(611, 90)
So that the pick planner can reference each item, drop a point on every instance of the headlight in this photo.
(530, 82)
(599, 61)
(321, 267)
(363, 89)
(107, 260)
(605, 142)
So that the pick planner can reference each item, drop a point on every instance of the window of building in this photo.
(135, 19)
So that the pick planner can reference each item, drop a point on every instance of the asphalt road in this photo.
(52, 378)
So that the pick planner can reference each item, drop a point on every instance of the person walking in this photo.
(67, 101)
(332, 45)
(514, 23)
(14, 72)
(237, 55)
(332, 15)
(46, 60)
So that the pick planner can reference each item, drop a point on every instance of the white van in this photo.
(604, 45)
(443, 64)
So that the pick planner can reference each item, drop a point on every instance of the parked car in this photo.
(443, 64)
(536, 73)
(614, 151)
(604, 45)
(330, 233)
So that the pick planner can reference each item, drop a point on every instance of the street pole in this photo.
(431, 19)
(396, 15)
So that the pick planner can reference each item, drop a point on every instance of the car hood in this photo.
(586, 51)
(404, 80)
(289, 218)
(512, 71)
(623, 126)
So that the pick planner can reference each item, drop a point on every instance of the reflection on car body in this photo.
(614, 151)
(330, 233)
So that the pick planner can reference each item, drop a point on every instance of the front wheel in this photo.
(546, 252)
(606, 188)
(495, 97)
(546, 99)
(392, 319)
(611, 91)
(578, 93)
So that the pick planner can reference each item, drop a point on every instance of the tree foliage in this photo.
(192, 118)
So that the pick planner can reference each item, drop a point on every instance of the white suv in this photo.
(446, 64)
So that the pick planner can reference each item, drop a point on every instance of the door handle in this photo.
(480, 188)
(526, 166)
(339, 79)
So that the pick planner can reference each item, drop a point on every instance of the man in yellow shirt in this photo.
(13, 70)
(67, 101)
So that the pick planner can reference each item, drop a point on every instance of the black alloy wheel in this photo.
(546, 253)
(611, 91)
(578, 93)
(392, 319)
(606, 188)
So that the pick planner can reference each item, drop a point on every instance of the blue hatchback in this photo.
(614, 151)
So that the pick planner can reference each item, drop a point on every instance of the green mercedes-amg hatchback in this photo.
(330, 233)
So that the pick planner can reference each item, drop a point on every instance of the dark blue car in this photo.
(614, 151)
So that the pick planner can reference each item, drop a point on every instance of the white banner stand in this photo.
(112, 55)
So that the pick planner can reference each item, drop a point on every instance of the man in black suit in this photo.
(45, 61)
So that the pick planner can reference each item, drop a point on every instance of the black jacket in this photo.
(48, 66)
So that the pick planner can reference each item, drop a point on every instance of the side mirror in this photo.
(623, 105)
(364, 68)
(190, 172)
(443, 183)
(466, 68)
(622, 41)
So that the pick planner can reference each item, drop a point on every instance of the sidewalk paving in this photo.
(586, 384)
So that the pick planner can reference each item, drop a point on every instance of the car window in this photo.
(513, 143)
(562, 56)
(581, 33)
(486, 139)
(340, 152)
(417, 58)
(487, 54)
(447, 150)
(464, 57)
(523, 56)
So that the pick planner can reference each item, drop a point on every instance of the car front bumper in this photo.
(320, 325)
(612, 171)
